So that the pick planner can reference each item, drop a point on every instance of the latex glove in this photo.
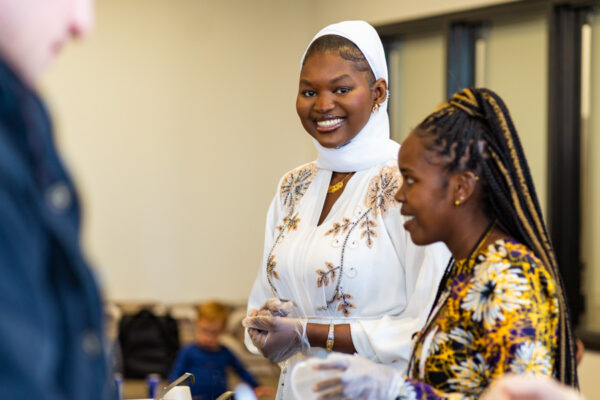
(277, 338)
(362, 379)
(526, 387)
(273, 307)
(276, 308)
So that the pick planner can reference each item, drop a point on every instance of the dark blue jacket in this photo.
(51, 341)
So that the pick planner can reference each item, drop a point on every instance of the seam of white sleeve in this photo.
(361, 342)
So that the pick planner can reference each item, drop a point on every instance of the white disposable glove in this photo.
(362, 379)
(524, 387)
(275, 308)
(277, 338)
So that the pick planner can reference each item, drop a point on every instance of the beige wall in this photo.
(178, 121)
(177, 118)
(588, 375)
(591, 192)
(387, 11)
(590, 385)
(411, 100)
(516, 68)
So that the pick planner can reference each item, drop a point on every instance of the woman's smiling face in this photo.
(425, 194)
(334, 98)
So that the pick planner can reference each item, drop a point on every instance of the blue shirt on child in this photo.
(209, 370)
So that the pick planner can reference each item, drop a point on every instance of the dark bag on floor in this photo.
(149, 343)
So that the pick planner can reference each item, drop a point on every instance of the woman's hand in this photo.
(274, 307)
(361, 379)
(277, 338)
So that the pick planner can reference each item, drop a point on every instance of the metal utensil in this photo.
(164, 390)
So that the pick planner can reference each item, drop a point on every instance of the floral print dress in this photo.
(497, 314)
(357, 267)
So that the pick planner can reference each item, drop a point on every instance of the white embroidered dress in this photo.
(358, 267)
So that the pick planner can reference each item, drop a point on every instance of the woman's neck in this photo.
(472, 231)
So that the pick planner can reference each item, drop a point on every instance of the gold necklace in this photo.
(337, 186)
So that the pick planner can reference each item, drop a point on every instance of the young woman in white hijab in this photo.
(335, 246)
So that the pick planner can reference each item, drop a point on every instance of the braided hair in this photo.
(345, 49)
(474, 131)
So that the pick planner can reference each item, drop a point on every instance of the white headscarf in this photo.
(372, 145)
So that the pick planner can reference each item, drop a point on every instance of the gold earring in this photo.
(456, 203)
(375, 107)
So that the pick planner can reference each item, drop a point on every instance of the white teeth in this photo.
(409, 217)
(329, 122)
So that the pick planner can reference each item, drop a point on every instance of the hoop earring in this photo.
(375, 107)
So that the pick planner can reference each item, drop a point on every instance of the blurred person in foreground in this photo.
(527, 387)
(500, 306)
(51, 332)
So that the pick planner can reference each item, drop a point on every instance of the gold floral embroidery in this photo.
(324, 276)
(382, 188)
(379, 199)
(290, 222)
(367, 225)
(295, 184)
(327, 276)
(345, 305)
(340, 228)
(271, 263)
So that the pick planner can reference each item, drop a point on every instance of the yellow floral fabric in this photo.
(497, 314)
